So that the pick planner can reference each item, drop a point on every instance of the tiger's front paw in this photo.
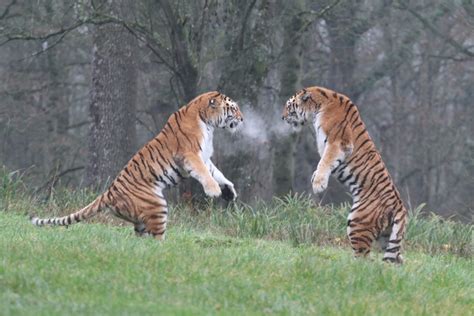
(228, 192)
(213, 189)
(320, 183)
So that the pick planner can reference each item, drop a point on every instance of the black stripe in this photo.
(355, 181)
(168, 124)
(354, 127)
(363, 143)
(202, 118)
(150, 152)
(348, 110)
(362, 155)
(346, 178)
(367, 163)
(359, 135)
(159, 142)
(372, 188)
(389, 259)
(365, 200)
(143, 160)
(323, 93)
(137, 167)
(359, 239)
(132, 184)
(152, 202)
(392, 250)
(352, 116)
(182, 132)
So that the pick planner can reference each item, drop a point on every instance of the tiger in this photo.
(183, 148)
(348, 153)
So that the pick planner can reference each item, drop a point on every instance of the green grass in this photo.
(288, 256)
(98, 269)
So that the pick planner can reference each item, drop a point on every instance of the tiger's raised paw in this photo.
(213, 190)
(228, 192)
(319, 183)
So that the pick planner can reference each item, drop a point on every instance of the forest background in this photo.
(84, 84)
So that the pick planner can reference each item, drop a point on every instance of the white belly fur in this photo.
(320, 135)
(207, 145)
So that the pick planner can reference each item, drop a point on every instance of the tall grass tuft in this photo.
(13, 195)
(293, 218)
(432, 233)
(299, 220)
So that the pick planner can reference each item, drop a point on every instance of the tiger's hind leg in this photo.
(154, 216)
(392, 250)
(361, 238)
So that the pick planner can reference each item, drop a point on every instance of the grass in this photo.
(286, 257)
(92, 269)
(297, 220)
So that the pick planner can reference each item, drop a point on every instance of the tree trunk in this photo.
(112, 137)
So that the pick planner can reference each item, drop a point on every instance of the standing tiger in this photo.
(183, 148)
(348, 152)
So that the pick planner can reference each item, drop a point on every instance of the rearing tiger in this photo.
(348, 152)
(184, 147)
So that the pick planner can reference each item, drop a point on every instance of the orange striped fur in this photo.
(348, 152)
(183, 148)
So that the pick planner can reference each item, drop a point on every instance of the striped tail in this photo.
(85, 213)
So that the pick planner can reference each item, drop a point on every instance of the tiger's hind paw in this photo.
(397, 260)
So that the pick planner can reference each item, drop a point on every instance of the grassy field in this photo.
(286, 257)
(98, 269)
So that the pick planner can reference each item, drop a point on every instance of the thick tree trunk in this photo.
(284, 154)
(112, 138)
(342, 58)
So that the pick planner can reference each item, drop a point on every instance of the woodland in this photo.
(85, 83)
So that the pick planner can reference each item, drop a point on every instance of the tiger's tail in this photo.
(87, 212)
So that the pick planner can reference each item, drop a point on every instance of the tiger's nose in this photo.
(282, 117)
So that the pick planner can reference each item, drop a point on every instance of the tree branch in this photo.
(7, 10)
(436, 32)
(55, 177)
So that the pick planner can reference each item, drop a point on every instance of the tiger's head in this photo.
(298, 108)
(221, 111)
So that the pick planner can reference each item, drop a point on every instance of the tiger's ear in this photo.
(212, 103)
(306, 96)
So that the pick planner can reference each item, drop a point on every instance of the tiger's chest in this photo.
(207, 143)
(321, 137)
